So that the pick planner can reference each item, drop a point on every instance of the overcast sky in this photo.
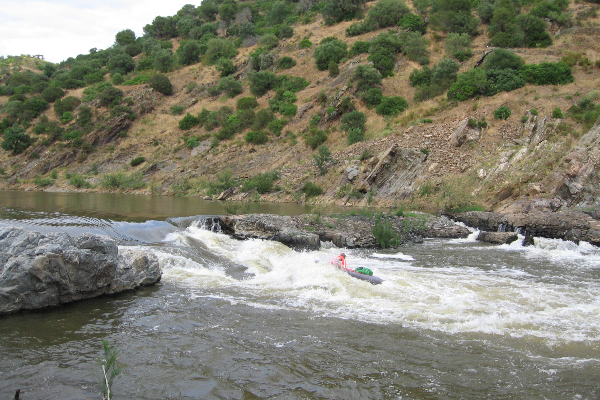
(59, 29)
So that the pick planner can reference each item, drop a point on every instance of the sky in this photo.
(59, 29)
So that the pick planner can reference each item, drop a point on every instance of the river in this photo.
(453, 319)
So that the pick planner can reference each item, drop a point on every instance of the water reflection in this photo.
(125, 207)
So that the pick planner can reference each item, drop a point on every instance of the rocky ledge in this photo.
(44, 270)
(574, 226)
(307, 232)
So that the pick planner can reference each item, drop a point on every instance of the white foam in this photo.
(398, 256)
(450, 298)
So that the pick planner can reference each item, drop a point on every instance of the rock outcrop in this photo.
(567, 225)
(44, 270)
(307, 232)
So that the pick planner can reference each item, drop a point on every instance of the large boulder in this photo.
(44, 270)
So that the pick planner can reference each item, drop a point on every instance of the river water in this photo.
(453, 319)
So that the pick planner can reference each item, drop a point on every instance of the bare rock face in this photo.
(497, 237)
(44, 270)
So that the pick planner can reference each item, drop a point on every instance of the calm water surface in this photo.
(454, 319)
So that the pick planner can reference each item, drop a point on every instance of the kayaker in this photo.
(340, 261)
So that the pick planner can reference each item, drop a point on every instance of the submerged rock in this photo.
(44, 270)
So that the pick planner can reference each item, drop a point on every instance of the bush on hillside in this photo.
(230, 86)
(161, 83)
(257, 137)
(547, 74)
(311, 189)
(353, 119)
(502, 113)
(330, 49)
(189, 53)
(372, 97)
(261, 82)
(387, 13)
(286, 63)
(335, 11)
(246, 103)
(366, 77)
(188, 122)
(413, 23)
(391, 106)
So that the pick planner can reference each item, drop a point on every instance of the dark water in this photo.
(454, 319)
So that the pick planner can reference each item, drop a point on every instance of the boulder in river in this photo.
(43, 270)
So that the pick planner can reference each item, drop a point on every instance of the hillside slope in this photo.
(427, 157)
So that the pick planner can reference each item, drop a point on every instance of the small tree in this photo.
(16, 140)
(322, 158)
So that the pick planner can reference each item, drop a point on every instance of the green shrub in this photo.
(286, 63)
(503, 59)
(322, 158)
(263, 183)
(66, 117)
(246, 103)
(387, 13)
(161, 83)
(366, 77)
(359, 28)
(137, 161)
(218, 48)
(359, 47)
(261, 82)
(385, 235)
(413, 22)
(353, 120)
(391, 106)
(330, 49)
(315, 137)
(502, 113)
(557, 113)
(311, 189)
(333, 68)
(276, 126)
(230, 86)
(188, 122)
(372, 97)
(138, 80)
(69, 103)
(355, 135)
(305, 44)
(121, 180)
(177, 110)
(42, 182)
(269, 41)
(547, 74)
(192, 142)
(335, 11)
(226, 67)
(79, 181)
(257, 137)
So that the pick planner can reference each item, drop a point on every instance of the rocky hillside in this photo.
(433, 155)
